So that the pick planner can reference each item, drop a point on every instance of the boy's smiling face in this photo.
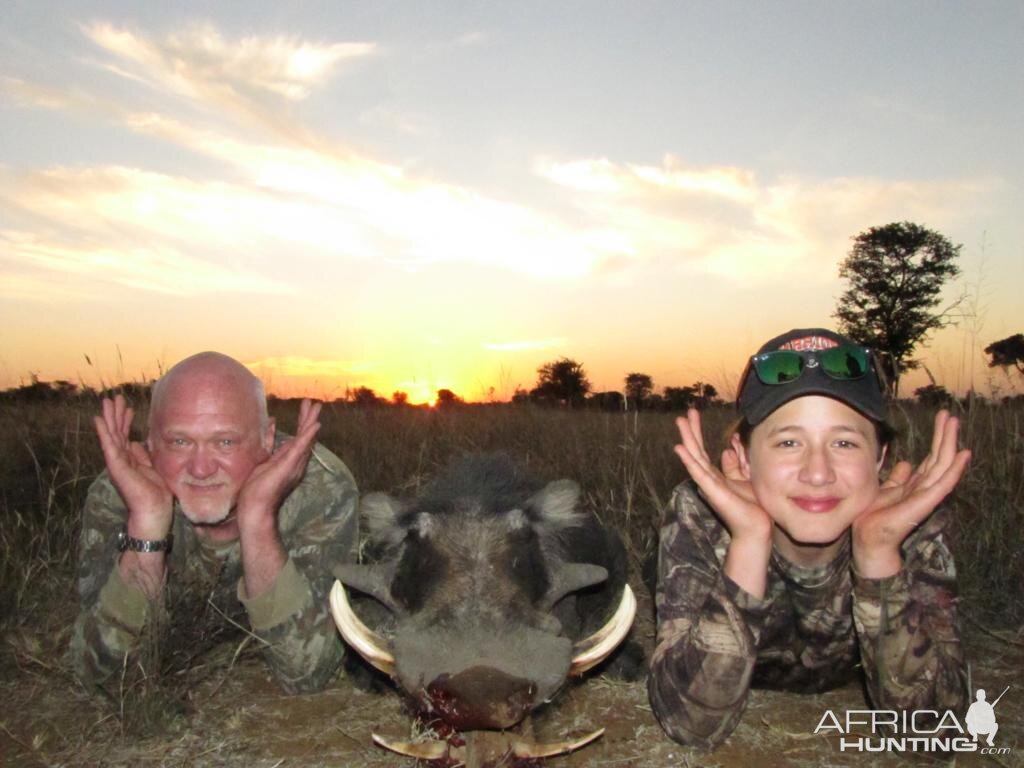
(813, 464)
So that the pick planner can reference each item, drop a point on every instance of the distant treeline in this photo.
(636, 396)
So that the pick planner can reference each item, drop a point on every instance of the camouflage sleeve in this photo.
(319, 523)
(112, 614)
(907, 627)
(708, 629)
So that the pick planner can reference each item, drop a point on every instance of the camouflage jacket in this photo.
(203, 598)
(811, 630)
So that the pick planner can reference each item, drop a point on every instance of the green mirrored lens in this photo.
(844, 362)
(778, 367)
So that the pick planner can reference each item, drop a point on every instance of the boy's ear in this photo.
(741, 453)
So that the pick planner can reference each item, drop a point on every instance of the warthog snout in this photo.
(480, 697)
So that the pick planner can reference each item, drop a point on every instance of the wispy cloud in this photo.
(295, 192)
(725, 221)
(306, 367)
(198, 61)
(160, 270)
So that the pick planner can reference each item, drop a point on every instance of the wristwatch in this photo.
(126, 542)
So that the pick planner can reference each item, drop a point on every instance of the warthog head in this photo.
(497, 588)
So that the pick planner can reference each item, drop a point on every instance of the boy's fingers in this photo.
(899, 475)
(938, 435)
(731, 464)
(693, 465)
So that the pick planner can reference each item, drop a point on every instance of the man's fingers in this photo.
(312, 414)
(140, 454)
(126, 424)
(120, 411)
(106, 441)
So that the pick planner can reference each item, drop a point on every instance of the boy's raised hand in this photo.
(906, 499)
(726, 490)
(730, 495)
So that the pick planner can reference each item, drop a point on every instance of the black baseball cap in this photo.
(756, 400)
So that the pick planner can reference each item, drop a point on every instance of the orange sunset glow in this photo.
(360, 199)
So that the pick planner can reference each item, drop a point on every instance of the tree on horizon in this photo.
(638, 388)
(1007, 352)
(896, 274)
(561, 381)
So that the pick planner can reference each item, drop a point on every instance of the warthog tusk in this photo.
(368, 643)
(526, 750)
(422, 750)
(498, 743)
(592, 650)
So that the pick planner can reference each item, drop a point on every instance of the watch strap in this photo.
(127, 543)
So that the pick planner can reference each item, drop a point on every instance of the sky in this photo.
(414, 196)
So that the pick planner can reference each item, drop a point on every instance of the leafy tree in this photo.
(446, 398)
(679, 398)
(561, 381)
(1007, 352)
(607, 401)
(706, 394)
(896, 274)
(363, 396)
(638, 388)
(933, 396)
(400, 398)
(697, 395)
(520, 396)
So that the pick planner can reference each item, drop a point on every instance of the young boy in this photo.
(793, 564)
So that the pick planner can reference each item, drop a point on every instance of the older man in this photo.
(217, 508)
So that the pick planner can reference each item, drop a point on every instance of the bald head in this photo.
(209, 371)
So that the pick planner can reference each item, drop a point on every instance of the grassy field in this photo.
(217, 713)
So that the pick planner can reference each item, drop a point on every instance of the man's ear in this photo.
(741, 453)
(268, 435)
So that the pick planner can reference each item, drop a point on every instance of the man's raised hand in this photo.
(272, 480)
(149, 500)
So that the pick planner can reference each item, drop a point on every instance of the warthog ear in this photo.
(571, 577)
(557, 503)
(378, 513)
(374, 579)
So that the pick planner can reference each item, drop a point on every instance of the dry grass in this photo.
(221, 709)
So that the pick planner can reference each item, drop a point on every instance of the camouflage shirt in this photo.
(204, 597)
(813, 627)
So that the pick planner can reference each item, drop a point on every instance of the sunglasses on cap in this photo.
(782, 366)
